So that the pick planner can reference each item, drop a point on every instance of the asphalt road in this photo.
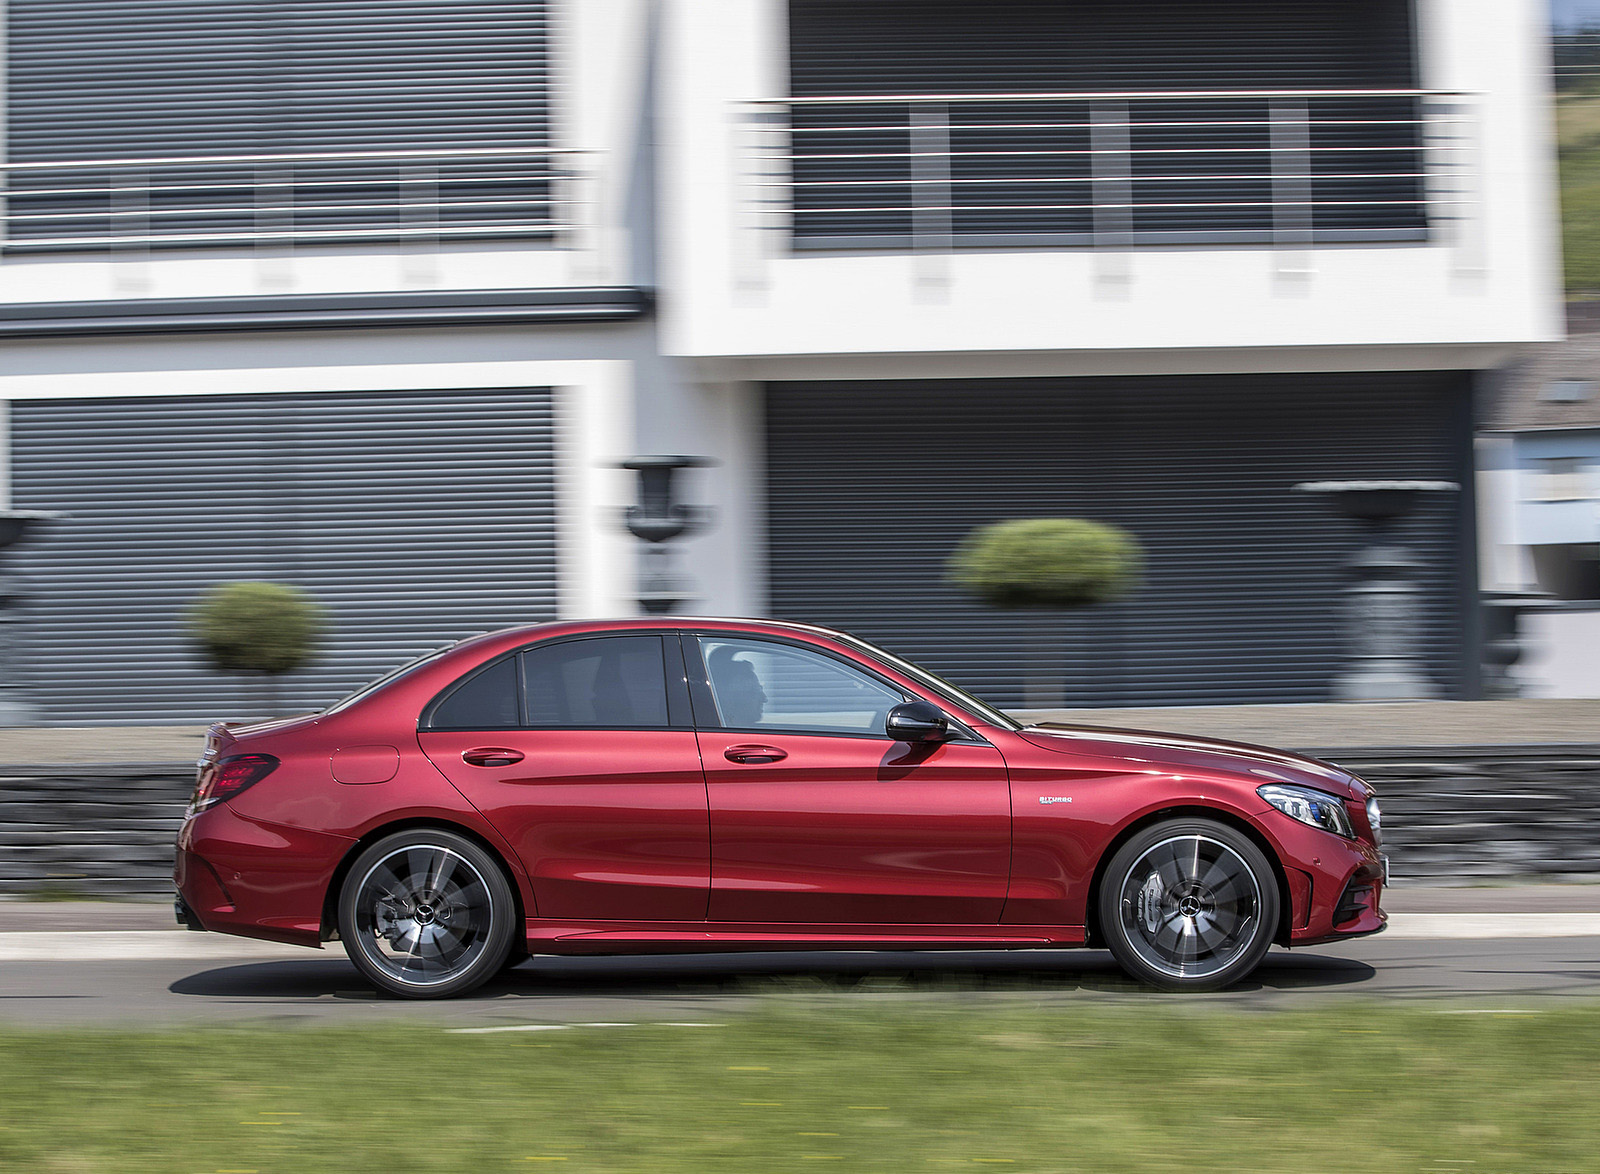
(284, 985)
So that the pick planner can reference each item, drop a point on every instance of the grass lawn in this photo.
(897, 1086)
(1578, 138)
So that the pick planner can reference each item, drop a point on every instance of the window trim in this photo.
(704, 701)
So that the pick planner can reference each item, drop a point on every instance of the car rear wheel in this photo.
(426, 914)
(1189, 905)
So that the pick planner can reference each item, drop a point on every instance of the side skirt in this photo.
(550, 936)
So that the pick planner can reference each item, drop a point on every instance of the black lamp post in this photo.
(656, 521)
(15, 526)
(1383, 600)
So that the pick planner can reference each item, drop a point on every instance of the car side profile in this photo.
(673, 785)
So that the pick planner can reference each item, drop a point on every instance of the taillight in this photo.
(229, 777)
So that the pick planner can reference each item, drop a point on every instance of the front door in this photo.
(597, 780)
(818, 817)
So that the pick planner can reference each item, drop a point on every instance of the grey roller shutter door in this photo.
(871, 486)
(90, 79)
(1023, 172)
(110, 79)
(1002, 46)
(417, 518)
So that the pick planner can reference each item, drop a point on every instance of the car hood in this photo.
(1182, 752)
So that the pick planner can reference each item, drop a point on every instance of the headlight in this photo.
(1316, 808)
(1375, 818)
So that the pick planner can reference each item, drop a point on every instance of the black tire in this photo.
(426, 914)
(1189, 905)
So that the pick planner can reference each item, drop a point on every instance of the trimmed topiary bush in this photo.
(1046, 563)
(262, 628)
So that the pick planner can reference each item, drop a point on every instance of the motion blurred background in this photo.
(373, 299)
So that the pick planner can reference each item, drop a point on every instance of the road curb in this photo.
(177, 945)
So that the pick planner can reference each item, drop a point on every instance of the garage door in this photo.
(416, 518)
(871, 485)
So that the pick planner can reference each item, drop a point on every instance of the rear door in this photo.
(582, 754)
(818, 817)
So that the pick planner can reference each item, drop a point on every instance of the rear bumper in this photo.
(185, 915)
(254, 879)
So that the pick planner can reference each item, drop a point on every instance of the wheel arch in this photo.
(1092, 933)
(328, 930)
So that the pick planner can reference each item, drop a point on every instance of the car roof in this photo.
(654, 623)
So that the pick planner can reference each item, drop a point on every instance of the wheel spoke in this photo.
(441, 870)
(430, 945)
(1172, 870)
(1169, 934)
(1217, 873)
(472, 895)
(1217, 937)
(1187, 948)
(414, 950)
(387, 885)
(1235, 889)
(451, 946)
(418, 861)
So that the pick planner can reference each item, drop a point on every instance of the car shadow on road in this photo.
(734, 975)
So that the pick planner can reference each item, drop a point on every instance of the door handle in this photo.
(490, 756)
(751, 755)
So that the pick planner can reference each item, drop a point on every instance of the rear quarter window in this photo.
(485, 700)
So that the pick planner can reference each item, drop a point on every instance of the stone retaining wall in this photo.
(1454, 813)
(1485, 812)
(91, 830)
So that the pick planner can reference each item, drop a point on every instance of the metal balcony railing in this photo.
(313, 198)
(1285, 167)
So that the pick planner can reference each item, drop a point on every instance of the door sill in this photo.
(555, 936)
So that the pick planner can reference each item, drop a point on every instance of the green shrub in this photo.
(263, 628)
(1046, 562)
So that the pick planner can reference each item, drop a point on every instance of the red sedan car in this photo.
(713, 785)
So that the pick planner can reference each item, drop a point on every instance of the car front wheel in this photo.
(426, 913)
(1189, 905)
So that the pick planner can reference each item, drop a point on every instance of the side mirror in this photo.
(917, 721)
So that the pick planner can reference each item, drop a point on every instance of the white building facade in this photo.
(375, 305)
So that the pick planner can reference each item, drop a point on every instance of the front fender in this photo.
(1066, 825)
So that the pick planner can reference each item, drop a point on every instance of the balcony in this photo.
(417, 198)
(1281, 168)
(840, 200)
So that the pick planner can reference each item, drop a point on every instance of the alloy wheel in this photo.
(1195, 907)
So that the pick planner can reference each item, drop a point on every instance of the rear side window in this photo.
(616, 682)
(487, 700)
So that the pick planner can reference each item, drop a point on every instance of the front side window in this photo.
(761, 685)
(612, 682)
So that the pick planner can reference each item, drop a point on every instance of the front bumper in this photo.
(1335, 885)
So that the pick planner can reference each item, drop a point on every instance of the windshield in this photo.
(936, 685)
(393, 674)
